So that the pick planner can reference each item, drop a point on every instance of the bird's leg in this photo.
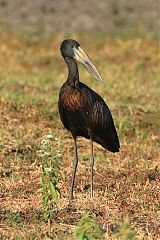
(91, 164)
(75, 163)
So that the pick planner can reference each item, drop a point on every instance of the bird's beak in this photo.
(82, 57)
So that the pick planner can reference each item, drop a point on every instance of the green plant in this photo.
(15, 218)
(50, 155)
(87, 229)
(124, 231)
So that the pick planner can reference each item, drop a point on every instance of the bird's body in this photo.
(82, 111)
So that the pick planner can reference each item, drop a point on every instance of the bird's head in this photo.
(71, 48)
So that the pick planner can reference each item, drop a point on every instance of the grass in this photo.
(126, 185)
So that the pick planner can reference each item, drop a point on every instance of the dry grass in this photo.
(125, 184)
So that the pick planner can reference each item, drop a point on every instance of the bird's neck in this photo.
(73, 75)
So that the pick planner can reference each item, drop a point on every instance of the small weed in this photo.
(124, 231)
(50, 174)
(87, 229)
(16, 218)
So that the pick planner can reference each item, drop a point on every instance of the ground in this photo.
(126, 184)
(45, 16)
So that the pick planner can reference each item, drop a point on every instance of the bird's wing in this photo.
(101, 116)
(103, 126)
(100, 121)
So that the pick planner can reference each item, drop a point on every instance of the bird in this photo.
(82, 111)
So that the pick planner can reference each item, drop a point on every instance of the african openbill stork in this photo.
(82, 111)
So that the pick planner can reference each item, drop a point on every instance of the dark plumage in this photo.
(82, 111)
